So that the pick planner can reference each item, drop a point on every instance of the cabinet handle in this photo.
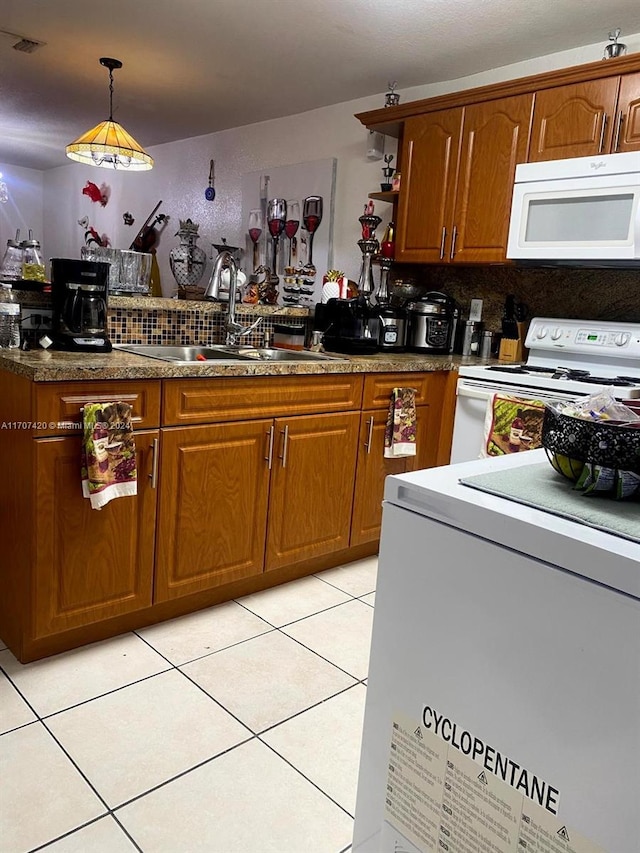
(153, 476)
(444, 237)
(285, 445)
(616, 140)
(269, 456)
(604, 124)
(367, 443)
(454, 237)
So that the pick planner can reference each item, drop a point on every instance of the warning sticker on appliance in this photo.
(441, 800)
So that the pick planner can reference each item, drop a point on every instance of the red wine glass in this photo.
(276, 219)
(312, 217)
(292, 224)
(255, 232)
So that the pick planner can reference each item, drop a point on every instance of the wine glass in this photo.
(276, 219)
(255, 231)
(312, 217)
(292, 223)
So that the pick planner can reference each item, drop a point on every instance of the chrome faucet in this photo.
(233, 329)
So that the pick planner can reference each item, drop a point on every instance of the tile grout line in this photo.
(111, 811)
(310, 781)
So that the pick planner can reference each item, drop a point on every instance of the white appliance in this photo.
(567, 359)
(582, 211)
(515, 633)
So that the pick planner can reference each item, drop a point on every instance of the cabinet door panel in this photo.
(427, 439)
(429, 161)
(90, 565)
(214, 485)
(311, 487)
(568, 120)
(372, 470)
(495, 138)
(628, 130)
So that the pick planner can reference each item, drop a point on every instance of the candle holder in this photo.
(369, 249)
(387, 171)
(382, 293)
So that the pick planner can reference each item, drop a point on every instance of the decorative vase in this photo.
(187, 261)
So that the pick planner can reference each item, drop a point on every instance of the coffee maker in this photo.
(79, 292)
(349, 326)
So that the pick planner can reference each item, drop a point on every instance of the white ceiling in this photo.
(192, 67)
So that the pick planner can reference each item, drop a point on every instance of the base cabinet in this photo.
(311, 487)
(89, 565)
(214, 484)
(373, 468)
(221, 504)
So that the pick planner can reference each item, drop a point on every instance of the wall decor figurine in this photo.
(97, 194)
(127, 218)
(616, 48)
(91, 237)
(392, 98)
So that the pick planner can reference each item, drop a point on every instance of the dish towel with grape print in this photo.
(108, 453)
(400, 431)
(511, 425)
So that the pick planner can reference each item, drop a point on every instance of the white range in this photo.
(567, 359)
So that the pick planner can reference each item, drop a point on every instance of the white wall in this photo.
(180, 174)
(24, 207)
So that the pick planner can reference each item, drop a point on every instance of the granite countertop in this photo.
(48, 366)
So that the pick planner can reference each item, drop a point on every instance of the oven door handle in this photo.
(474, 393)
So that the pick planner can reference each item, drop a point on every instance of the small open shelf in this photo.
(389, 195)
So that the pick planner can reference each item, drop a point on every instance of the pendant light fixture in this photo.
(108, 144)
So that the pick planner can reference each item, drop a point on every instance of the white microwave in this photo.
(579, 212)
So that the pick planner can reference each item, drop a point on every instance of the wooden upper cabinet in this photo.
(574, 121)
(627, 131)
(429, 160)
(494, 140)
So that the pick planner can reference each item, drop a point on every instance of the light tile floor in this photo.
(233, 730)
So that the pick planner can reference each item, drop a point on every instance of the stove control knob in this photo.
(621, 339)
(541, 332)
(556, 334)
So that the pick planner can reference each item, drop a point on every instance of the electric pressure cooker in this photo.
(432, 323)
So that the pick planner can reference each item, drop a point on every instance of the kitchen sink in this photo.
(275, 354)
(222, 353)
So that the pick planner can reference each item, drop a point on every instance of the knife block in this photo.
(513, 349)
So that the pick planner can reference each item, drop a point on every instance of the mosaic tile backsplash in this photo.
(188, 326)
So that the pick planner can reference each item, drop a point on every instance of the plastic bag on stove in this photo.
(601, 406)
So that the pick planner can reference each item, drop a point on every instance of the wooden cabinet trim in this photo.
(389, 120)
(58, 405)
(195, 401)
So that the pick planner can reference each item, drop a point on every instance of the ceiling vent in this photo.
(22, 43)
(27, 45)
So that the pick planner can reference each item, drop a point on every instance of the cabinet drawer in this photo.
(191, 401)
(59, 404)
(378, 387)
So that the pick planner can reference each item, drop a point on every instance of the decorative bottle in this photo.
(187, 261)
(9, 318)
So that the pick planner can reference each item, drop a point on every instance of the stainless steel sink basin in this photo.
(274, 354)
(182, 355)
(221, 353)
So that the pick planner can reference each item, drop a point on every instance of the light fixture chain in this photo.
(110, 94)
